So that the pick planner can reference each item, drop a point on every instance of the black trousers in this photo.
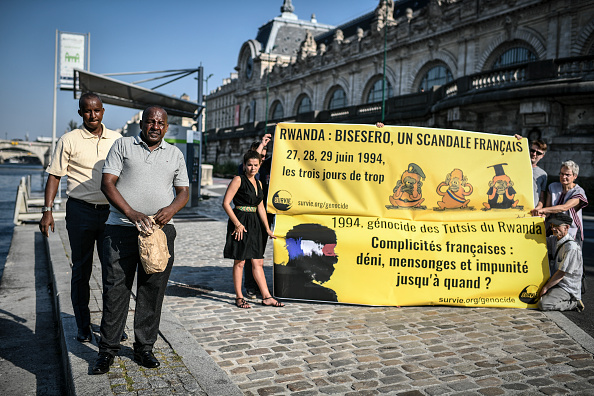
(85, 226)
(121, 264)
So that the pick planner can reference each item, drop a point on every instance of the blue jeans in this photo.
(85, 225)
(121, 264)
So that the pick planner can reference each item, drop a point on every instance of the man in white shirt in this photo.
(563, 290)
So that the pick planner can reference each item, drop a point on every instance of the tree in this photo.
(72, 125)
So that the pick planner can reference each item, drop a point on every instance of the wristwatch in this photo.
(46, 209)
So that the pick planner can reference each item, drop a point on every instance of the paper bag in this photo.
(153, 250)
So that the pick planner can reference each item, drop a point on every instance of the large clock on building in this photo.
(249, 67)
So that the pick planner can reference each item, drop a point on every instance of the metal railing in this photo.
(28, 208)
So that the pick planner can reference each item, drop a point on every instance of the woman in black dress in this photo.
(247, 229)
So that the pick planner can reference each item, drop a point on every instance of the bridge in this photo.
(30, 150)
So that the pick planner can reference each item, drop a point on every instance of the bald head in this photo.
(149, 110)
(153, 126)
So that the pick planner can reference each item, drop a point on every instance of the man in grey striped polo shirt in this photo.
(139, 177)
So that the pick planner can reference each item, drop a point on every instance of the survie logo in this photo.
(529, 295)
(282, 200)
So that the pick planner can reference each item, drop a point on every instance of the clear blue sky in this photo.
(129, 36)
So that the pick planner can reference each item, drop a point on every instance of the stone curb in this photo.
(579, 335)
(77, 356)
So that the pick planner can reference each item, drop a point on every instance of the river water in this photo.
(10, 176)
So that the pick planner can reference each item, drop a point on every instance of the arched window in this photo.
(304, 105)
(436, 76)
(337, 100)
(514, 56)
(375, 94)
(246, 114)
(277, 111)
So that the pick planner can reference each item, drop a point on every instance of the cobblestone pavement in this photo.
(310, 349)
(126, 377)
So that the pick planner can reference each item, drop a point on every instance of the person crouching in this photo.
(562, 292)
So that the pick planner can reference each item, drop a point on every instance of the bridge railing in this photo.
(28, 208)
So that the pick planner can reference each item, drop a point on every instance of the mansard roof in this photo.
(283, 35)
(364, 21)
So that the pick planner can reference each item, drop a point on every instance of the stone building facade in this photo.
(497, 66)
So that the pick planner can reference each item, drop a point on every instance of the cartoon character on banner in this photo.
(501, 192)
(458, 188)
(311, 263)
(408, 193)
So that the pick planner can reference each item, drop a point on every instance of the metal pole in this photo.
(89, 51)
(267, 85)
(55, 96)
(206, 114)
(175, 72)
(206, 117)
(385, 56)
(196, 197)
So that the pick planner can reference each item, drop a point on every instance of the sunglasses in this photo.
(532, 151)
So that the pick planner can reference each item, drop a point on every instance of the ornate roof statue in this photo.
(308, 46)
(384, 13)
(287, 6)
(360, 34)
(338, 36)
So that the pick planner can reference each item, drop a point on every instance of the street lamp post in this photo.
(385, 56)
(206, 113)
(267, 89)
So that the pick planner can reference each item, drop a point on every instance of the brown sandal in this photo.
(276, 304)
(241, 303)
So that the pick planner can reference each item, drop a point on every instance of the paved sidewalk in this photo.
(208, 346)
(28, 351)
(185, 367)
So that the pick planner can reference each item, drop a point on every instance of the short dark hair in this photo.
(86, 96)
(251, 154)
(560, 219)
(540, 144)
(254, 146)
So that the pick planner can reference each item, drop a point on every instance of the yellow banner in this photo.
(399, 172)
(379, 261)
(404, 216)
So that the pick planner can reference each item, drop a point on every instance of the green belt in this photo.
(251, 209)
